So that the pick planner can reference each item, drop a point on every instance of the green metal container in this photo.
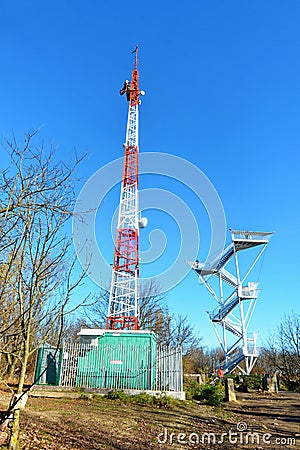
(121, 359)
(48, 365)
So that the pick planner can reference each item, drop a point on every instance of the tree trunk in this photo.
(15, 431)
(11, 369)
(14, 437)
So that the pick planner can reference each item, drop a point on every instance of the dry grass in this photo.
(99, 423)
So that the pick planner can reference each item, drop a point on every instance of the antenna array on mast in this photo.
(124, 291)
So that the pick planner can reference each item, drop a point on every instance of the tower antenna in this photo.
(123, 307)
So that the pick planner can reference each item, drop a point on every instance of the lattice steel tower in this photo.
(236, 299)
(123, 308)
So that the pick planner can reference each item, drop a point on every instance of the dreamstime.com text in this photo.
(239, 435)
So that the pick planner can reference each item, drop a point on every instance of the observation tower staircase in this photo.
(231, 318)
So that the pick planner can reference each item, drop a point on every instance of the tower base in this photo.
(122, 323)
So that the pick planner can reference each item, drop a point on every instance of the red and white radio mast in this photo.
(123, 308)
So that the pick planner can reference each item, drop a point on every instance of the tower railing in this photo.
(231, 318)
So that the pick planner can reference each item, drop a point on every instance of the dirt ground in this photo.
(256, 421)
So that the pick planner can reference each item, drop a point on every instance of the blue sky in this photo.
(222, 91)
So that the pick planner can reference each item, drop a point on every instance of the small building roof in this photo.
(102, 331)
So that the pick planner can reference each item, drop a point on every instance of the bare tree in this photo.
(9, 337)
(177, 331)
(154, 316)
(282, 352)
(198, 359)
(37, 280)
(152, 307)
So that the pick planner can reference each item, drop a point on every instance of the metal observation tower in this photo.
(124, 291)
(236, 298)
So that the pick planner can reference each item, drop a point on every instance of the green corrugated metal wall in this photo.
(126, 358)
(48, 365)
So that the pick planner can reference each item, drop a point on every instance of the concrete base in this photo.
(60, 392)
(229, 390)
(200, 378)
(172, 394)
(55, 394)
